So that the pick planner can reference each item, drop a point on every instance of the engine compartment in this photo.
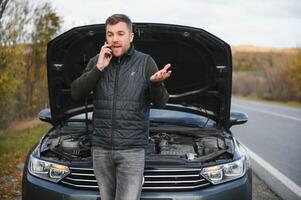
(190, 148)
(66, 146)
(70, 145)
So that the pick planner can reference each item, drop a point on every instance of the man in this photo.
(124, 83)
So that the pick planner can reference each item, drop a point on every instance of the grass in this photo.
(14, 146)
(292, 104)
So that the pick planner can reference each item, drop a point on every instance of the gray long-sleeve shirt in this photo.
(83, 85)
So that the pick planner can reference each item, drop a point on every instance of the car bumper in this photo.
(35, 188)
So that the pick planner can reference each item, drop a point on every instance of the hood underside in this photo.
(201, 66)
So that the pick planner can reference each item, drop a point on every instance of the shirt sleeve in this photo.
(84, 84)
(158, 92)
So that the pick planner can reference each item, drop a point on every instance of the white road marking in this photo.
(267, 112)
(276, 173)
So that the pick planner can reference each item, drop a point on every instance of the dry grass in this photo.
(14, 146)
(11, 187)
(250, 48)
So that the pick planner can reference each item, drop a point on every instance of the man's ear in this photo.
(131, 37)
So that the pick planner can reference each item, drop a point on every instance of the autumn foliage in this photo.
(273, 74)
(25, 30)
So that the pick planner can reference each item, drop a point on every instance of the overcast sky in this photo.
(271, 23)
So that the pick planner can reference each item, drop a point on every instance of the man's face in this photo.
(119, 37)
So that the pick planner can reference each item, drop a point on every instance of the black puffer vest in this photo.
(121, 104)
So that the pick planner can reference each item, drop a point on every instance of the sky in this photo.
(267, 23)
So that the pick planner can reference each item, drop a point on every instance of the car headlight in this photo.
(47, 170)
(226, 172)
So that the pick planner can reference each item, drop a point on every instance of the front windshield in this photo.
(163, 115)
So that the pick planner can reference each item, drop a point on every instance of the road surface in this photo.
(273, 137)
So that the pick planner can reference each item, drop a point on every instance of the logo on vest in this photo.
(133, 73)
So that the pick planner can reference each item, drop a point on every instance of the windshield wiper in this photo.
(173, 123)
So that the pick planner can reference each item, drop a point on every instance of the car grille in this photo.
(154, 179)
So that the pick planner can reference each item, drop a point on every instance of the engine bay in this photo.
(66, 145)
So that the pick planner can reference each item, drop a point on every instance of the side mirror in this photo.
(237, 118)
(45, 115)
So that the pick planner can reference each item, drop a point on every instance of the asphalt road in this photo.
(273, 137)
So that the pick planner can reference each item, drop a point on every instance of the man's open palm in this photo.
(162, 74)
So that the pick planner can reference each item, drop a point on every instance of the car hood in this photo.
(201, 66)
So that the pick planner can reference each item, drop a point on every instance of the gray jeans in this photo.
(119, 173)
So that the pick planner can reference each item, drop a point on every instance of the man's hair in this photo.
(116, 18)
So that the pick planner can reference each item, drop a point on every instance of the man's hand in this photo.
(105, 56)
(162, 74)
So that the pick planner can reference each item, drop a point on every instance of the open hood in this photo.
(201, 65)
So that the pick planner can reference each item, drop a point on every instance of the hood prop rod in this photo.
(86, 115)
(86, 105)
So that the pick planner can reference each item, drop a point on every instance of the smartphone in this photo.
(107, 55)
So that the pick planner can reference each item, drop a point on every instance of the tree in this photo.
(46, 24)
(25, 30)
(14, 17)
(3, 5)
(293, 73)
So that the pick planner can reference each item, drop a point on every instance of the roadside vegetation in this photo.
(25, 29)
(14, 146)
(267, 74)
(292, 104)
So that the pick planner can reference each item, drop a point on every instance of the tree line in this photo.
(272, 75)
(25, 30)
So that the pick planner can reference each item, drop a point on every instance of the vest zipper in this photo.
(114, 102)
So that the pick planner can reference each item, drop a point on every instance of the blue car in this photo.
(192, 153)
